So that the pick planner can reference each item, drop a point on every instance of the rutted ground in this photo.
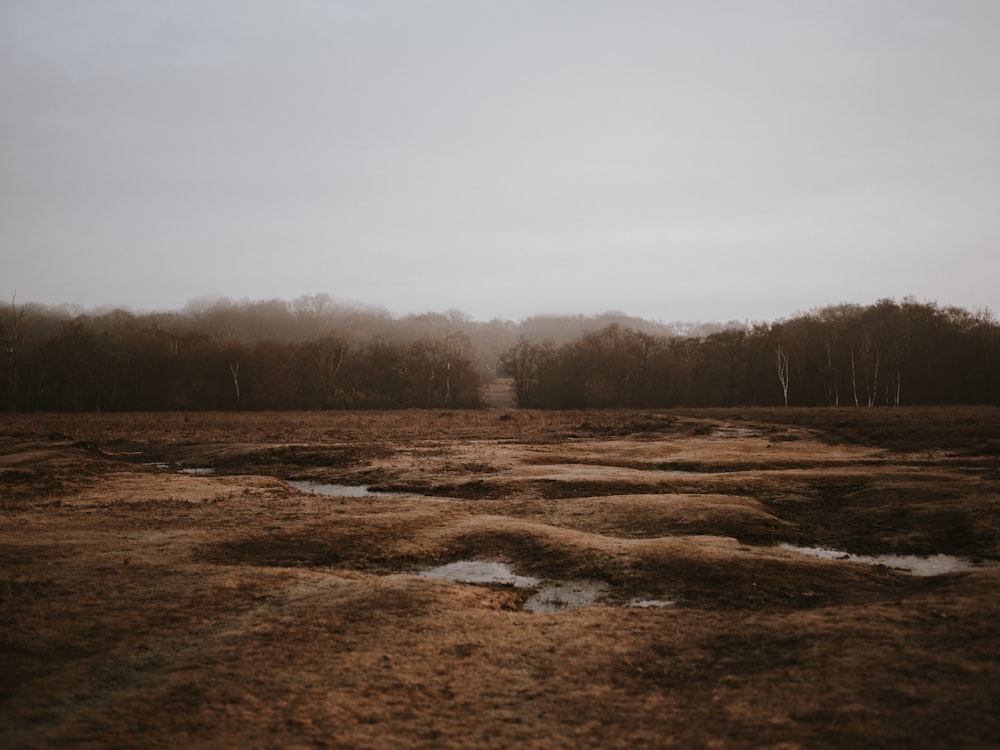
(143, 605)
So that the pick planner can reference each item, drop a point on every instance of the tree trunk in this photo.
(781, 361)
(234, 368)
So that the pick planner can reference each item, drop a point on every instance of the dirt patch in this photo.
(141, 605)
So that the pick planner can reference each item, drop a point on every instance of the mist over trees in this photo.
(316, 353)
(888, 353)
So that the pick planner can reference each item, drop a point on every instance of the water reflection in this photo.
(338, 490)
(555, 596)
(735, 432)
(931, 565)
(549, 595)
(198, 471)
(650, 603)
(479, 571)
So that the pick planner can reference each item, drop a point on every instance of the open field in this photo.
(162, 585)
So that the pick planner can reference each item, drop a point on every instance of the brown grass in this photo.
(140, 606)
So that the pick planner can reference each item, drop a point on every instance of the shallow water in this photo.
(200, 471)
(550, 596)
(555, 596)
(479, 571)
(650, 603)
(338, 490)
(736, 432)
(931, 565)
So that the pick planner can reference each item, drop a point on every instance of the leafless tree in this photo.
(234, 368)
(865, 361)
(12, 342)
(781, 361)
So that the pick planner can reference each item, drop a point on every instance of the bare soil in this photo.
(142, 606)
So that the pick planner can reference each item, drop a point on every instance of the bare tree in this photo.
(865, 363)
(827, 371)
(781, 361)
(523, 363)
(12, 346)
(450, 350)
(330, 353)
(234, 368)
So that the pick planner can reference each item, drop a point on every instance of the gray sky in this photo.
(710, 160)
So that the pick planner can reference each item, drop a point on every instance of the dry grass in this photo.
(142, 606)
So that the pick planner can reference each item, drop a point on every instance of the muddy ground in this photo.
(163, 586)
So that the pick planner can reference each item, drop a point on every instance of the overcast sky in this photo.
(711, 160)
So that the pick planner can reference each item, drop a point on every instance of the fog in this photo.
(675, 161)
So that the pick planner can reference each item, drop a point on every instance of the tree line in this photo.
(889, 353)
(118, 361)
(314, 353)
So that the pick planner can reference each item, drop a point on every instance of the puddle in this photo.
(338, 490)
(551, 596)
(650, 603)
(735, 432)
(194, 471)
(931, 565)
(477, 571)
(555, 596)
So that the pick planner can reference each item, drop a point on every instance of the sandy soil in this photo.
(148, 606)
